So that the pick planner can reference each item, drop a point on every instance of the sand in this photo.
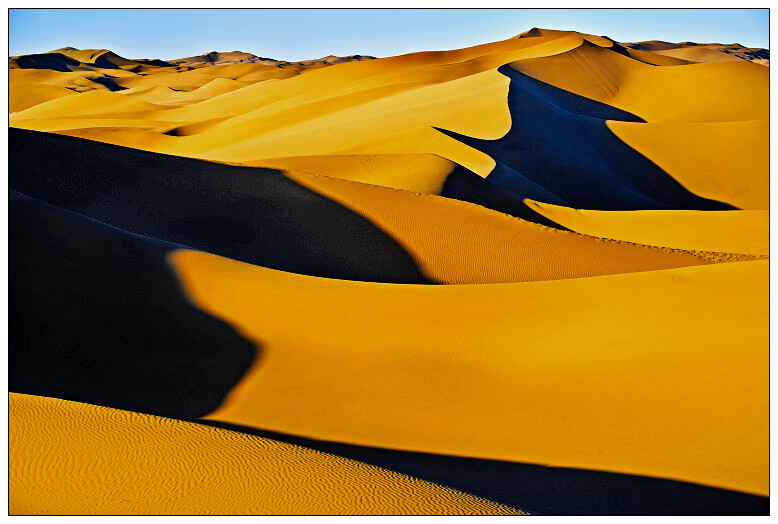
(723, 231)
(525, 274)
(102, 461)
(453, 360)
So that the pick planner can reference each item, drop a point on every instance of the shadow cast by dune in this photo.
(108, 82)
(96, 315)
(541, 489)
(53, 61)
(559, 150)
(463, 184)
(254, 215)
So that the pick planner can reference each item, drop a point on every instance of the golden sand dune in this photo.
(460, 243)
(353, 94)
(704, 52)
(725, 161)
(700, 54)
(35, 94)
(215, 57)
(532, 270)
(693, 93)
(93, 103)
(235, 57)
(722, 231)
(102, 461)
(512, 371)
(298, 111)
(419, 173)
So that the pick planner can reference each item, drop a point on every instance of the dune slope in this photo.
(478, 352)
(104, 461)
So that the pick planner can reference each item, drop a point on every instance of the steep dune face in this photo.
(530, 272)
(560, 150)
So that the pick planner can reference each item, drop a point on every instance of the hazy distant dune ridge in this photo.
(524, 277)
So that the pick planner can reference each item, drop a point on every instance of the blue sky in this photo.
(298, 34)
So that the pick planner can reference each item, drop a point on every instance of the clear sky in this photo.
(299, 34)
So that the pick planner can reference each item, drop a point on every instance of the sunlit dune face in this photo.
(120, 462)
(439, 345)
(525, 275)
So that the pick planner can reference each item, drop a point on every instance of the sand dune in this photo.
(525, 274)
(434, 384)
(458, 243)
(35, 94)
(119, 462)
(724, 161)
(118, 331)
(235, 57)
(691, 93)
(447, 240)
(271, 120)
(251, 214)
(704, 52)
(722, 231)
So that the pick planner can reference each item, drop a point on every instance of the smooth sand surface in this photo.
(35, 94)
(419, 173)
(693, 93)
(103, 461)
(430, 368)
(724, 231)
(460, 243)
(695, 52)
(725, 161)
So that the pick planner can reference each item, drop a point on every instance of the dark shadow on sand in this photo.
(559, 150)
(463, 184)
(96, 315)
(254, 215)
(53, 61)
(542, 489)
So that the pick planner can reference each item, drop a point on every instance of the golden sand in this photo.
(744, 232)
(624, 345)
(511, 371)
(103, 461)
(458, 242)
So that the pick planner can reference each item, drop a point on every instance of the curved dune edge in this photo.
(456, 242)
(451, 90)
(745, 232)
(689, 93)
(550, 368)
(33, 95)
(699, 54)
(416, 172)
(80, 459)
(725, 161)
